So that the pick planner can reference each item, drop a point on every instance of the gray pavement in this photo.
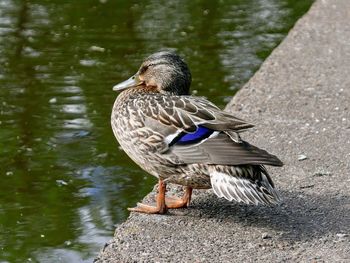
(300, 103)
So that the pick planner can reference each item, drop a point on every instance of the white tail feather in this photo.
(243, 190)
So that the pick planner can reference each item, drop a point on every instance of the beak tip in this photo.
(125, 84)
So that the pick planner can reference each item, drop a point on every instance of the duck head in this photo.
(163, 72)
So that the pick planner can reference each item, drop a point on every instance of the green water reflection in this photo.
(64, 182)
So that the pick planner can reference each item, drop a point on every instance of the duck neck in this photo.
(139, 90)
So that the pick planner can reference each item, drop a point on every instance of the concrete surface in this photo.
(300, 101)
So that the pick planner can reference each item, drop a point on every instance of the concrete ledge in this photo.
(300, 101)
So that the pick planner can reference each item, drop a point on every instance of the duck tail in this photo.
(249, 184)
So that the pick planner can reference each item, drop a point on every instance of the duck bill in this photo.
(131, 82)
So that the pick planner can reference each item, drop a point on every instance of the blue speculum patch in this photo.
(189, 138)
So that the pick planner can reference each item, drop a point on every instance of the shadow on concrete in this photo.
(300, 216)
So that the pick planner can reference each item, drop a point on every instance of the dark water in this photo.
(64, 182)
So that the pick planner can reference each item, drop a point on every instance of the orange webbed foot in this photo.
(163, 203)
(148, 209)
(160, 207)
(174, 202)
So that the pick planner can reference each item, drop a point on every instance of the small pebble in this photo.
(265, 236)
(322, 174)
(302, 157)
(342, 235)
(307, 186)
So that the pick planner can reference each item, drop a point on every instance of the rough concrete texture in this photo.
(300, 102)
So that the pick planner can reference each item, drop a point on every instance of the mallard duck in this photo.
(187, 140)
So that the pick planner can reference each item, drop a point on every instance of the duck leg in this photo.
(172, 202)
(160, 207)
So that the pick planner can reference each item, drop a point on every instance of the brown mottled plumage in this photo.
(187, 140)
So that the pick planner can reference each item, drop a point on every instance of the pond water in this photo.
(64, 181)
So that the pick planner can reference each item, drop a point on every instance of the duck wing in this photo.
(194, 130)
(185, 113)
(222, 149)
